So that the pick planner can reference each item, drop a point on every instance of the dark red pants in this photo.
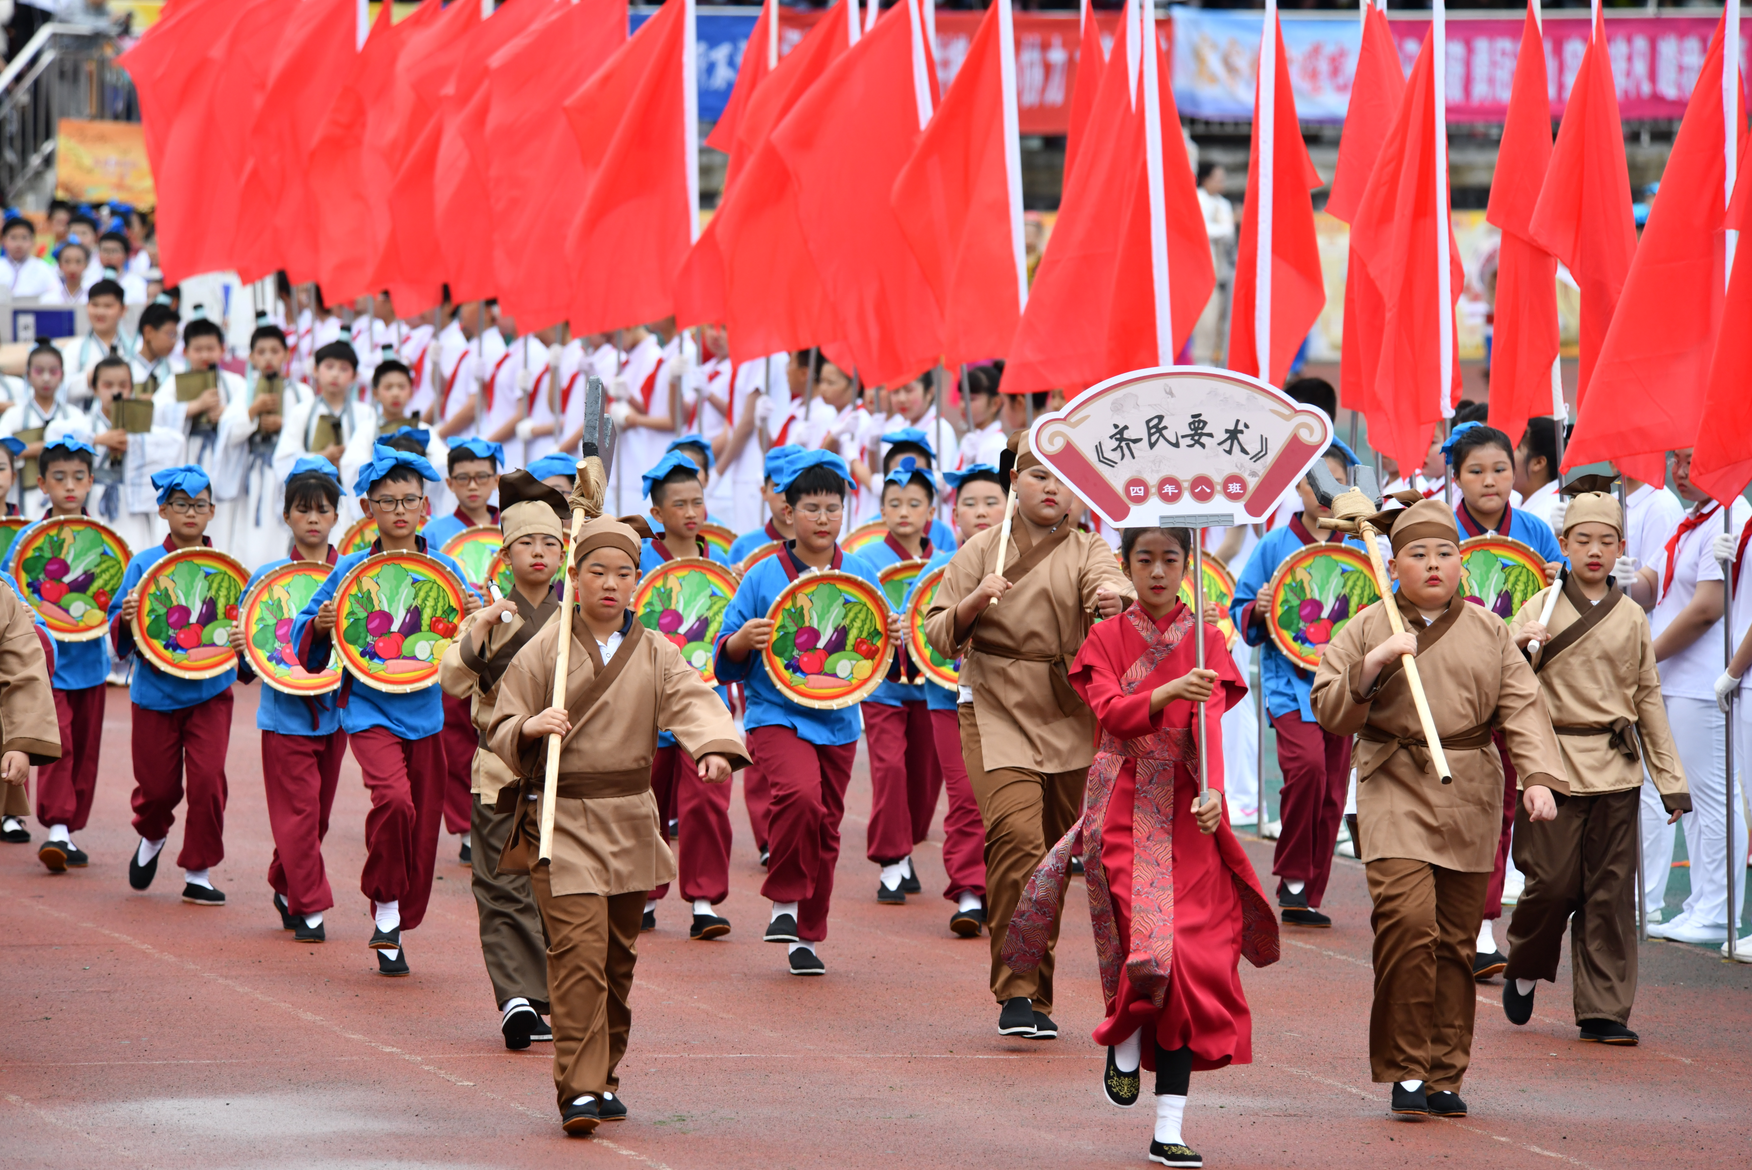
(1493, 893)
(963, 830)
(809, 801)
(406, 779)
(757, 795)
(299, 774)
(65, 787)
(169, 745)
(460, 740)
(1316, 767)
(702, 851)
(903, 777)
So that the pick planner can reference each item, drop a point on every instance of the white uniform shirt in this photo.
(31, 280)
(984, 445)
(1691, 673)
(1650, 515)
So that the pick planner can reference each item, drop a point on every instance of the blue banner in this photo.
(721, 41)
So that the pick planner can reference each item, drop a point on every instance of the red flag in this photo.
(1721, 460)
(1091, 61)
(1646, 395)
(533, 166)
(1397, 227)
(642, 210)
(1374, 103)
(1583, 215)
(464, 211)
(759, 59)
(1524, 338)
(1295, 291)
(958, 199)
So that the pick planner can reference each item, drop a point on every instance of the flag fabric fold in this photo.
(1091, 60)
(1721, 459)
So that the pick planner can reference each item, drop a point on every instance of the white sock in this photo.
(969, 901)
(60, 833)
(1128, 1052)
(148, 850)
(313, 920)
(585, 1099)
(197, 877)
(906, 865)
(1486, 939)
(1169, 1111)
(387, 916)
(703, 906)
(390, 953)
(892, 875)
(801, 946)
(514, 1003)
(783, 908)
(607, 1096)
(1294, 887)
(1411, 1086)
(467, 838)
(1524, 986)
(11, 823)
(650, 905)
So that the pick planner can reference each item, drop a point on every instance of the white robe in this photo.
(224, 464)
(259, 533)
(358, 429)
(133, 514)
(80, 354)
(28, 416)
(638, 449)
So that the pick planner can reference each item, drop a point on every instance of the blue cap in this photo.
(308, 463)
(13, 444)
(422, 437)
(188, 478)
(911, 435)
(955, 478)
(479, 448)
(383, 461)
(670, 462)
(699, 441)
(776, 457)
(804, 460)
(70, 443)
(558, 463)
(1350, 457)
(903, 472)
(1453, 436)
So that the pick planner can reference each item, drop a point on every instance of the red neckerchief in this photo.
(566, 390)
(663, 553)
(900, 549)
(1302, 534)
(487, 386)
(419, 370)
(12, 510)
(1740, 552)
(1471, 527)
(1695, 520)
(649, 386)
(169, 544)
(795, 568)
(492, 517)
(773, 533)
(292, 554)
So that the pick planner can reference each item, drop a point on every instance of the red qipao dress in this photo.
(1174, 909)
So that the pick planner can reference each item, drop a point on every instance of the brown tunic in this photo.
(1018, 651)
(1476, 681)
(472, 672)
(607, 836)
(27, 701)
(1606, 679)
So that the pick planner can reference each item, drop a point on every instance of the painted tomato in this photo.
(388, 646)
(188, 637)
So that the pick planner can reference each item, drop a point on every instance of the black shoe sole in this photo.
(580, 1126)
(1026, 1030)
(716, 930)
(1288, 921)
(1490, 972)
(1451, 1113)
(316, 935)
(53, 859)
(888, 897)
(203, 901)
(962, 927)
(1612, 1041)
(385, 942)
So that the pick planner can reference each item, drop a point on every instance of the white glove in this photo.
(619, 389)
(525, 429)
(1557, 512)
(1624, 571)
(763, 409)
(619, 411)
(525, 380)
(1725, 688)
(1723, 547)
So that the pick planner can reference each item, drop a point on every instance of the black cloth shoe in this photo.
(395, 966)
(1410, 1102)
(581, 1118)
(1044, 1028)
(385, 940)
(1488, 966)
(465, 855)
(1121, 1088)
(1174, 1154)
(910, 884)
(77, 858)
(1076, 865)
(806, 962)
(542, 1033)
(967, 923)
(1518, 1007)
(287, 922)
(519, 1026)
(1445, 1104)
(202, 895)
(782, 929)
(706, 926)
(1607, 1032)
(140, 876)
(1285, 898)
(612, 1108)
(648, 922)
(894, 897)
(309, 934)
(53, 855)
(17, 834)
(1294, 916)
(1017, 1017)
(764, 856)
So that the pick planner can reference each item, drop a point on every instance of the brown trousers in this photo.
(1426, 922)
(511, 937)
(1025, 814)
(592, 946)
(1582, 864)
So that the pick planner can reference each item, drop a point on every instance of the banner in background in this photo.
(96, 162)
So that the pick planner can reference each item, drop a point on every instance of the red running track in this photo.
(138, 1031)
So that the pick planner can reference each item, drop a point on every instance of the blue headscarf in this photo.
(804, 460)
(308, 463)
(383, 461)
(776, 458)
(188, 478)
(1350, 457)
(904, 471)
(665, 465)
(423, 438)
(479, 448)
(1453, 436)
(13, 444)
(911, 435)
(955, 478)
(557, 463)
(699, 441)
(69, 443)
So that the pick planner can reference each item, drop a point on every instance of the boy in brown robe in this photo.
(624, 684)
(1429, 847)
(1596, 666)
(1027, 738)
(27, 702)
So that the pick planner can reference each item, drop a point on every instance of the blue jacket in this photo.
(441, 528)
(283, 714)
(749, 541)
(152, 688)
(1525, 527)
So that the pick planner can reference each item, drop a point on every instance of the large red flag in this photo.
(1290, 273)
(641, 212)
(1721, 460)
(1524, 338)
(1646, 396)
(533, 165)
(844, 144)
(1091, 61)
(958, 199)
(1374, 102)
(1403, 216)
(1583, 215)
(759, 59)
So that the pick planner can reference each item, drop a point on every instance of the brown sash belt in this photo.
(1070, 703)
(514, 799)
(1472, 739)
(1622, 731)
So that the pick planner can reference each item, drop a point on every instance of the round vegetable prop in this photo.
(359, 537)
(830, 644)
(266, 614)
(188, 604)
(499, 571)
(1499, 573)
(684, 601)
(10, 527)
(475, 549)
(945, 672)
(865, 535)
(770, 548)
(70, 569)
(1219, 586)
(395, 615)
(718, 538)
(897, 580)
(1317, 589)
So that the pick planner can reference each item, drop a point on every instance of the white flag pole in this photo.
(772, 37)
(921, 70)
(690, 120)
(1153, 168)
(1730, 149)
(363, 26)
(1444, 275)
(853, 25)
(486, 8)
(1012, 147)
(1266, 132)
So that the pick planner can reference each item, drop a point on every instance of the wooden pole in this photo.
(562, 665)
(1004, 535)
(1204, 775)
